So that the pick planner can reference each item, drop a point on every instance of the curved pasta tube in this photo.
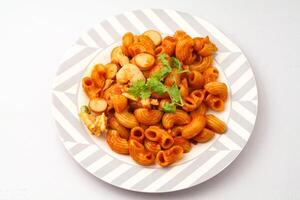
(140, 47)
(184, 88)
(196, 79)
(204, 46)
(215, 124)
(139, 154)
(148, 116)
(201, 110)
(204, 136)
(184, 50)
(151, 146)
(116, 143)
(184, 143)
(90, 88)
(127, 40)
(113, 89)
(137, 133)
(111, 70)
(119, 102)
(178, 118)
(215, 103)
(168, 157)
(210, 74)
(168, 46)
(172, 77)
(114, 124)
(126, 119)
(177, 131)
(193, 101)
(202, 65)
(193, 128)
(217, 88)
(178, 35)
(98, 75)
(208, 49)
(156, 134)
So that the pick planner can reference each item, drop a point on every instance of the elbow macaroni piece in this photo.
(156, 134)
(215, 103)
(177, 131)
(202, 65)
(147, 116)
(126, 119)
(184, 88)
(98, 75)
(194, 100)
(215, 124)
(184, 143)
(119, 102)
(90, 87)
(196, 79)
(218, 89)
(115, 125)
(167, 46)
(178, 118)
(210, 74)
(204, 136)
(137, 133)
(151, 146)
(195, 127)
(139, 154)
(169, 156)
(116, 143)
(201, 110)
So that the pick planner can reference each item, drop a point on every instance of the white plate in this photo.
(205, 160)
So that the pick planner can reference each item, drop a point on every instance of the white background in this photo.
(35, 34)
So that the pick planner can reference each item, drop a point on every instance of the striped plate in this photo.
(204, 161)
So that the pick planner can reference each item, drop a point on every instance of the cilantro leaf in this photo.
(145, 93)
(169, 107)
(176, 63)
(157, 86)
(174, 94)
(137, 87)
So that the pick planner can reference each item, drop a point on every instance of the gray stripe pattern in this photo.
(250, 106)
(72, 120)
(110, 30)
(165, 18)
(95, 36)
(126, 23)
(241, 92)
(75, 59)
(238, 73)
(92, 158)
(177, 179)
(142, 17)
(219, 167)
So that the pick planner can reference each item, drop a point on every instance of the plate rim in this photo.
(95, 50)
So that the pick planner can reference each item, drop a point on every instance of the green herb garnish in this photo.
(176, 64)
(169, 107)
(138, 88)
(174, 94)
(144, 89)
